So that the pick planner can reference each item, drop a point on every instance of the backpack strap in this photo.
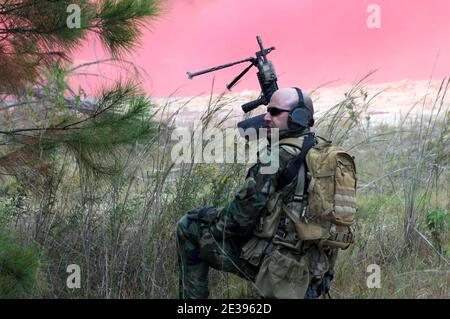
(295, 209)
(291, 141)
(300, 197)
(292, 169)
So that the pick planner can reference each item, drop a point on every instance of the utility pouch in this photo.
(283, 276)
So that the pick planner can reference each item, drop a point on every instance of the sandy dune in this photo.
(389, 102)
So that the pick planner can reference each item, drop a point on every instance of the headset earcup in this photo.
(298, 118)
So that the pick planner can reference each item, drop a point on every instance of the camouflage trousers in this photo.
(199, 248)
(201, 245)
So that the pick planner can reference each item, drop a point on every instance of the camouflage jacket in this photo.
(256, 200)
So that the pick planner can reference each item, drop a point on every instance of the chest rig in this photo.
(277, 223)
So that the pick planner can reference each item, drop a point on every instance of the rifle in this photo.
(267, 81)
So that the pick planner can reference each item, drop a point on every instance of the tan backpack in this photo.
(329, 213)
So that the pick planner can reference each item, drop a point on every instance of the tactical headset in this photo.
(301, 115)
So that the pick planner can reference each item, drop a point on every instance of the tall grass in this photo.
(403, 175)
(121, 232)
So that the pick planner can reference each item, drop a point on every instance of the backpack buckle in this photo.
(259, 224)
(299, 197)
(303, 212)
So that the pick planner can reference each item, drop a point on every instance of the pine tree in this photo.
(40, 114)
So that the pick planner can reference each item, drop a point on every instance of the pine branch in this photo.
(38, 30)
(99, 134)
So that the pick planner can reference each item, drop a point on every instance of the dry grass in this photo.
(122, 233)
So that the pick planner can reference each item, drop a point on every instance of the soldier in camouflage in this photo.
(251, 236)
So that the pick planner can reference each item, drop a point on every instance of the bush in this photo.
(18, 268)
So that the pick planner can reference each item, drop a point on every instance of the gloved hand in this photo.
(206, 214)
(326, 282)
(313, 291)
(320, 286)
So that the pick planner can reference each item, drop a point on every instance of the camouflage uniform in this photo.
(232, 239)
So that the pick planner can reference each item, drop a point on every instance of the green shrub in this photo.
(438, 222)
(18, 268)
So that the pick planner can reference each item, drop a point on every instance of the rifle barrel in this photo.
(190, 75)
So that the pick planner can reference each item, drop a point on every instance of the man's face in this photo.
(281, 109)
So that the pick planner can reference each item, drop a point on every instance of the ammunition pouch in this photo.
(283, 275)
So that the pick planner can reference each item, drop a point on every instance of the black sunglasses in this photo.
(273, 111)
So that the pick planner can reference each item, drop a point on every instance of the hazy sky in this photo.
(316, 41)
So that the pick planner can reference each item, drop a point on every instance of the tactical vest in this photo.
(275, 224)
(272, 225)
